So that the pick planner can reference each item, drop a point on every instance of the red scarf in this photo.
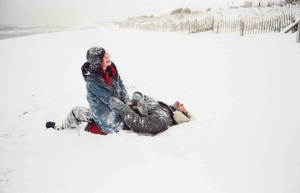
(112, 73)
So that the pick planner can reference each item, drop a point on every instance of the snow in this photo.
(243, 94)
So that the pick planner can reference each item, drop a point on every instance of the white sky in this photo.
(66, 12)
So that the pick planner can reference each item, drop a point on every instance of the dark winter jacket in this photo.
(159, 117)
(98, 95)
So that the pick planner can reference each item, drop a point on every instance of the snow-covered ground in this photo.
(243, 93)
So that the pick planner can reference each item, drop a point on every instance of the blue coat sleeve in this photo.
(124, 94)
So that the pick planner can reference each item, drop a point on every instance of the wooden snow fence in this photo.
(294, 27)
(195, 26)
(278, 24)
(266, 26)
(248, 27)
(201, 25)
(245, 27)
(221, 26)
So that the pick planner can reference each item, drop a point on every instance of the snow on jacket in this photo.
(158, 119)
(98, 95)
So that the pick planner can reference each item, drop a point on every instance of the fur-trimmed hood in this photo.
(179, 117)
(91, 73)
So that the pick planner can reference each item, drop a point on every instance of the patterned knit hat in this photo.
(95, 55)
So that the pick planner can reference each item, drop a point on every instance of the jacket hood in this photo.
(179, 117)
(88, 68)
(91, 73)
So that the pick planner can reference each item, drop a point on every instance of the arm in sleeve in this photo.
(124, 93)
(142, 124)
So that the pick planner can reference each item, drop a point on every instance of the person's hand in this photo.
(136, 97)
(128, 102)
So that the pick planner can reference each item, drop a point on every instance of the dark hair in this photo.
(111, 71)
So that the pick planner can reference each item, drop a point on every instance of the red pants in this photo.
(93, 128)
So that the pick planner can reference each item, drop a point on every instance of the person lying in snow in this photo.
(144, 115)
(147, 115)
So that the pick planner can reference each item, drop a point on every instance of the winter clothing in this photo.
(75, 117)
(136, 97)
(146, 116)
(99, 91)
(155, 117)
(95, 55)
(93, 128)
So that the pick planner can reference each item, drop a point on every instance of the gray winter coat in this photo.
(159, 117)
(98, 95)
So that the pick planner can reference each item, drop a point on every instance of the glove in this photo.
(136, 97)
(115, 103)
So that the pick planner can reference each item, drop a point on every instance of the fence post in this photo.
(246, 27)
(280, 24)
(221, 26)
(285, 21)
(181, 26)
(277, 24)
(234, 26)
(227, 26)
(242, 28)
(298, 33)
(295, 28)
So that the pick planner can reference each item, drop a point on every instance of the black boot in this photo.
(50, 124)
(53, 125)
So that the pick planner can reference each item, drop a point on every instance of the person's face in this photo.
(107, 61)
(179, 106)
